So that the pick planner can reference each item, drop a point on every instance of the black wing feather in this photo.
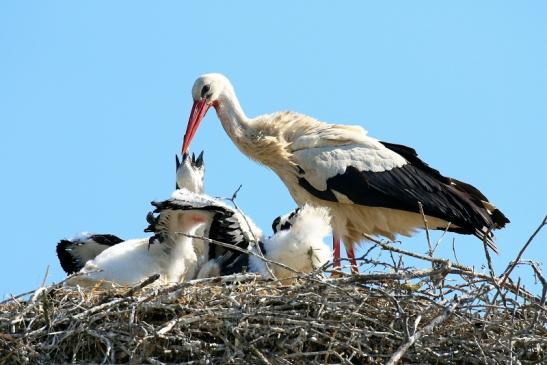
(72, 259)
(403, 187)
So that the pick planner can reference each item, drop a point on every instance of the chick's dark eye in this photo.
(205, 90)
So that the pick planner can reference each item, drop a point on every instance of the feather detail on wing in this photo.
(379, 174)
(331, 135)
(74, 253)
(322, 163)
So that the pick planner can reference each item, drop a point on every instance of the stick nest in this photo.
(392, 313)
(351, 319)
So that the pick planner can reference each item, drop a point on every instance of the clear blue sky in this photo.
(95, 96)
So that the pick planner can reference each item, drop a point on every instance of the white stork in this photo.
(74, 253)
(168, 253)
(370, 187)
(190, 173)
(297, 241)
(298, 244)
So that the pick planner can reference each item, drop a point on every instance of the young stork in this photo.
(190, 173)
(169, 254)
(74, 253)
(370, 187)
(299, 246)
(298, 242)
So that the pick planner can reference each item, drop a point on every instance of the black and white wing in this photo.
(284, 222)
(74, 253)
(225, 225)
(371, 173)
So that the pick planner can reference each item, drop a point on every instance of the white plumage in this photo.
(299, 245)
(75, 252)
(108, 261)
(170, 254)
(371, 187)
(322, 163)
(190, 173)
(128, 262)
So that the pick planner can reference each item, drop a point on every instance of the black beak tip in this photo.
(199, 160)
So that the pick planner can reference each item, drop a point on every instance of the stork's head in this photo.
(208, 89)
(190, 173)
(285, 222)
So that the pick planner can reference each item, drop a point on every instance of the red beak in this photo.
(199, 109)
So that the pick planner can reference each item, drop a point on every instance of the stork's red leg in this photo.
(351, 257)
(336, 252)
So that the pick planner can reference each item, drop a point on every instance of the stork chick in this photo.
(298, 245)
(190, 173)
(168, 253)
(75, 252)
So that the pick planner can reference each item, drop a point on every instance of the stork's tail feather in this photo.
(487, 237)
(492, 217)
(500, 220)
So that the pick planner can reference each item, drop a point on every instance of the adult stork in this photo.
(371, 187)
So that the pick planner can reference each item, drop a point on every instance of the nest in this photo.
(394, 313)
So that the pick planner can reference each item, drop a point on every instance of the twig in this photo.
(240, 278)
(487, 254)
(454, 251)
(388, 247)
(51, 287)
(515, 262)
(243, 250)
(389, 276)
(421, 207)
(396, 357)
(146, 282)
(464, 269)
(539, 276)
(491, 269)
(234, 195)
(442, 236)
(521, 252)
(109, 352)
(45, 276)
(260, 355)
(255, 239)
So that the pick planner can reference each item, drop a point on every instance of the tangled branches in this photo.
(392, 313)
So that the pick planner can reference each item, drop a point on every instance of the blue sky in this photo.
(95, 96)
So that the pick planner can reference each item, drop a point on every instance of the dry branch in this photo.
(390, 313)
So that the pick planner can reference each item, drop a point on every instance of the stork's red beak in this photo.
(199, 109)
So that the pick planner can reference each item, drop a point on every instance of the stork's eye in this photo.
(205, 90)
